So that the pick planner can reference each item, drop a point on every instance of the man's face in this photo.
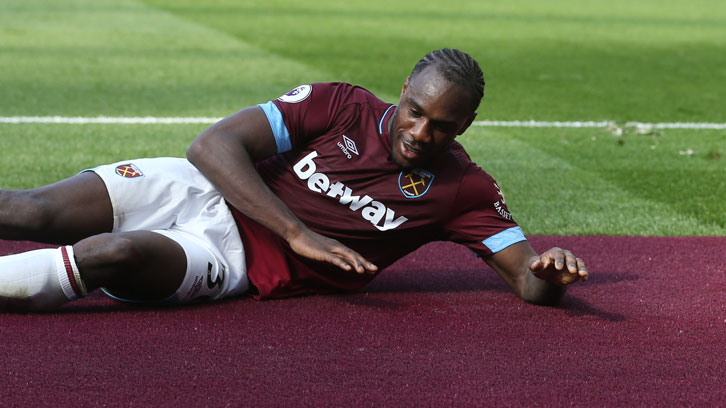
(431, 113)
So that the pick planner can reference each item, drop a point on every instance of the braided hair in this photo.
(457, 67)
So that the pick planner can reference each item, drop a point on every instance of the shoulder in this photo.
(351, 94)
(334, 93)
(328, 96)
(457, 163)
(475, 185)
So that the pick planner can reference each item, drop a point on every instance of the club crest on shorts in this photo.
(128, 171)
(298, 94)
(415, 183)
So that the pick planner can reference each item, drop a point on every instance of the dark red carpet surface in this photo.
(436, 329)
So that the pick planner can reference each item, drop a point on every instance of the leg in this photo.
(134, 262)
(164, 265)
(139, 265)
(60, 213)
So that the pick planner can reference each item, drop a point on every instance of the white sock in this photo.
(68, 274)
(43, 279)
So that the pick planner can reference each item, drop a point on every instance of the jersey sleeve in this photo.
(480, 218)
(305, 112)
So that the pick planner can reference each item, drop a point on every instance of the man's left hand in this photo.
(558, 266)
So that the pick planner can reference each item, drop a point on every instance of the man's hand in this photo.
(320, 248)
(539, 279)
(558, 266)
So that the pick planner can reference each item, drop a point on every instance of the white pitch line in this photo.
(79, 120)
(542, 124)
(677, 125)
(146, 120)
(600, 124)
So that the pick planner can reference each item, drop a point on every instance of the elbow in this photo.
(544, 296)
(194, 151)
(199, 149)
(192, 154)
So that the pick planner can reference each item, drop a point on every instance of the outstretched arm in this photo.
(226, 152)
(538, 278)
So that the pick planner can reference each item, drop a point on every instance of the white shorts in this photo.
(171, 197)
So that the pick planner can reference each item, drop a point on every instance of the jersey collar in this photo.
(382, 125)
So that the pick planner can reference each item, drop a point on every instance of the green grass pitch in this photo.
(648, 61)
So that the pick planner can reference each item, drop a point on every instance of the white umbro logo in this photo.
(349, 147)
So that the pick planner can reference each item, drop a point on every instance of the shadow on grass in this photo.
(97, 303)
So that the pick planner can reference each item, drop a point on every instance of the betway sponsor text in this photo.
(373, 211)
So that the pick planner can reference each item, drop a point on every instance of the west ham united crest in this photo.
(128, 171)
(415, 183)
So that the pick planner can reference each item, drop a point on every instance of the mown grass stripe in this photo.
(79, 120)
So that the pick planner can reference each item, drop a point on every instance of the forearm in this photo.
(228, 165)
(514, 265)
(540, 292)
(226, 154)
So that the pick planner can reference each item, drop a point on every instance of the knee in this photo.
(131, 265)
(107, 259)
(26, 209)
(109, 251)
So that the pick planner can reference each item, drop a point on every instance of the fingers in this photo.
(567, 268)
(544, 261)
(348, 259)
(339, 262)
(575, 266)
(536, 264)
(582, 269)
(315, 246)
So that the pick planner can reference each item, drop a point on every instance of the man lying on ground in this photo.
(314, 192)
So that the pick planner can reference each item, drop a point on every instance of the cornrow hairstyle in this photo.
(457, 67)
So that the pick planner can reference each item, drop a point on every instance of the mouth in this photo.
(408, 150)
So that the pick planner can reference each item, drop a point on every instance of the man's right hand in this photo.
(321, 248)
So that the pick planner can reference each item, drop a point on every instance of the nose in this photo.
(421, 131)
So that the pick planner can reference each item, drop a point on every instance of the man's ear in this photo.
(405, 85)
(467, 123)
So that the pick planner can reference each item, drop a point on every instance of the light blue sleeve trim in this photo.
(508, 237)
(380, 124)
(282, 136)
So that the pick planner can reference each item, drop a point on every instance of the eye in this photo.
(444, 127)
(414, 112)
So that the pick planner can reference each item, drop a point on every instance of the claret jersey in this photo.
(335, 173)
